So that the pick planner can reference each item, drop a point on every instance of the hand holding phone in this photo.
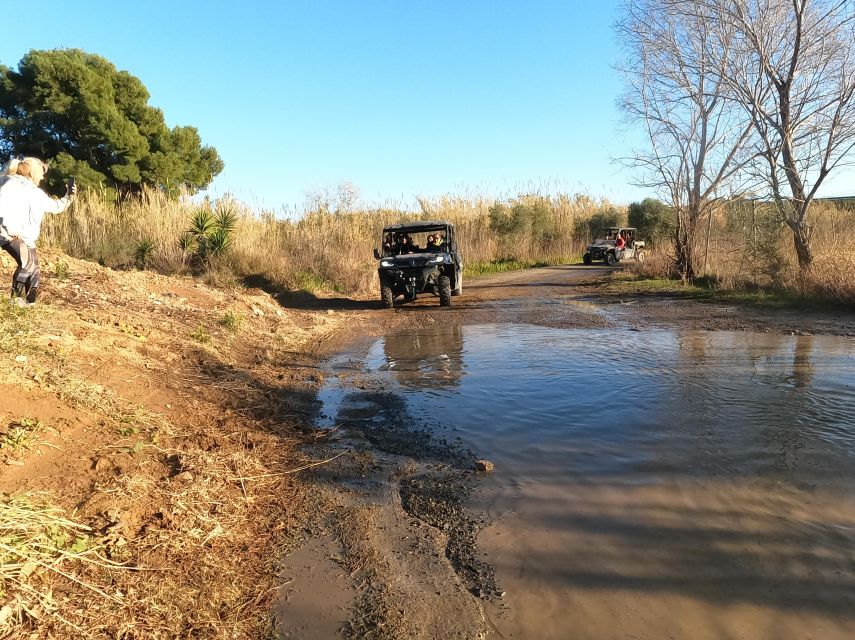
(72, 188)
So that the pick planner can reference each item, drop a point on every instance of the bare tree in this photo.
(674, 70)
(792, 69)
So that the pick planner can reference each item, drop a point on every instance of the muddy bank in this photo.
(147, 427)
(392, 502)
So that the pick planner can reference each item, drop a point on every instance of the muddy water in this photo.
(654, 484)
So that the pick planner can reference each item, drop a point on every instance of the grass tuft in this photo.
(232, 321)
(20, 435)
(200, 335)
(38, 544)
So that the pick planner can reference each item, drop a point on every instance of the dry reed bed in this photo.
(748, 248)
(321, 249)
(331, 249)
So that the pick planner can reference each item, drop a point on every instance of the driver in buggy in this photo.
(620, 244)
(390, 243)
(405, 244)
(398, 244)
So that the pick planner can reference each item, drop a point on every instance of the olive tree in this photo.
(653, 218)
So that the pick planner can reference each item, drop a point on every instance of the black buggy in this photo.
(417, 258)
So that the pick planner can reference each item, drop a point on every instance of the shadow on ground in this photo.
(305, 301)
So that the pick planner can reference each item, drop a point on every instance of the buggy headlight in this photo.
(387, 263)
(436, 260)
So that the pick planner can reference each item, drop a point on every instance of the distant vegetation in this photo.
(654, 220)
(328, 247)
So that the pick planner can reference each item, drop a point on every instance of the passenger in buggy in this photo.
(435, 242)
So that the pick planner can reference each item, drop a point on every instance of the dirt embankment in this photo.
(148, 429)
(155, 471)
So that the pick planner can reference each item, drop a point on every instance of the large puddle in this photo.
(653, 484)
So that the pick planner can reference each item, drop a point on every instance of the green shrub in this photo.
(606, 216)
(200, 335)
(653, 219)
(143, 252)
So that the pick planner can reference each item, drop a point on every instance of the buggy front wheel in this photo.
(387, 297)
(444, 291)
(639, 257)
(610, 259)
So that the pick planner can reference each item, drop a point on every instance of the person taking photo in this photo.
(23, 206)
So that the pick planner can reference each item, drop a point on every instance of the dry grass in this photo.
(180, 571)
(181, 545)
(207, 529)
(39, 545)
(754, 251)
(173, 530)
(324, 248)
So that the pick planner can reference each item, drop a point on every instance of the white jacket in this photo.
(23, 205)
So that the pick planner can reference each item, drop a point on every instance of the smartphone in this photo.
(70, 184)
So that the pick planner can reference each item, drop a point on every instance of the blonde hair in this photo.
(27, 167)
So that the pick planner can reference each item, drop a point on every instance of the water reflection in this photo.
(430, 359)
(654, 484)
(803, 368)
(603, 402)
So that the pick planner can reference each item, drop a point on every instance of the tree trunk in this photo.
(684, 263)
(801, 241)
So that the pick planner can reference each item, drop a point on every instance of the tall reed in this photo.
(330, 247)
(322, 248)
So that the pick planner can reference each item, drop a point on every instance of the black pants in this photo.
(25, 280)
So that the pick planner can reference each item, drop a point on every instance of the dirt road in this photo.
(174, 423)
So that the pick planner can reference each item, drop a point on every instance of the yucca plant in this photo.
(143, 251)
(226, 216)
(211, 231)
(201, 222)
(219, 242)
(201, 226)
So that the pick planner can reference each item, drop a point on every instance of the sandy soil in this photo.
(184, 442)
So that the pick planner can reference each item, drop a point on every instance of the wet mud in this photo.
(439, 500)
(655, 476)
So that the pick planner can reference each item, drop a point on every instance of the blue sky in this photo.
(405, 98)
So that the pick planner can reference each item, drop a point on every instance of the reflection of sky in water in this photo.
(588, 402)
